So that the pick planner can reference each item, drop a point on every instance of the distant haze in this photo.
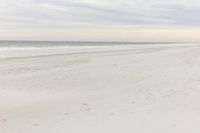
(100, 20)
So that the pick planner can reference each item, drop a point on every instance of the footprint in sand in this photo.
(66, 113)
(35, 124)
(84, 104)
(4, 120)
(112, 114)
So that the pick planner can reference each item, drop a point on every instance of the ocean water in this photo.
(10, 49)
(40, 44)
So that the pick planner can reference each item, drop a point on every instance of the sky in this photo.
(100, 20)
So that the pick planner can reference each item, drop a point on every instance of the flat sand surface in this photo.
(147, 89)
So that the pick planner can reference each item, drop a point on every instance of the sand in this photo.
(137, 89)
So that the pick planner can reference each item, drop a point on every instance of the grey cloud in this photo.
(111, 12)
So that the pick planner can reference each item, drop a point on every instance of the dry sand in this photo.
(151, 89)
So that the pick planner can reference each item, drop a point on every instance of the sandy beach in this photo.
(137, 89)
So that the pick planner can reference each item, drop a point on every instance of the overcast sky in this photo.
(100, 20)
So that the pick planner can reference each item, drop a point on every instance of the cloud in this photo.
(95, 14)
(119, 12)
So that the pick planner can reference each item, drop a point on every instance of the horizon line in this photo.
(92, 41)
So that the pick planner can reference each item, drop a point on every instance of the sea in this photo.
(10, 49)
(39, 44)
